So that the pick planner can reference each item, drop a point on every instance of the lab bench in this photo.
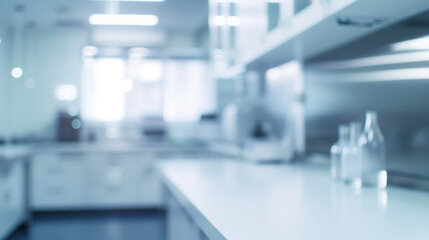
(70, 181)
(236, 200)
(83, 176)
(100, 176)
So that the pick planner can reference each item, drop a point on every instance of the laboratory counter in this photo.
(115, 147)
(236, 200)
(165, 149)
(8, 153)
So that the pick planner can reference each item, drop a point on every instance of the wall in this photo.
(51, 57)
(4, 78)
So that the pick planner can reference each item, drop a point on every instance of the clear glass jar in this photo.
(373, 153)
(336, 150)
(350, 157)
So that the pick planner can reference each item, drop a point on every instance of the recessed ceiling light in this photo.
(123, 19)
(141, 0)
(132, 0)
(233, 21)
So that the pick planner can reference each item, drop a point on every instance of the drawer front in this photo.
(15, 189)
(12, 205)
(58, 181)
(3, 208)
(147, 184)
(58, 194)
(63, 181)
(112, 181)
(150, 187)
(57, 167)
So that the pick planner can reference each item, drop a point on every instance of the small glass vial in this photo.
(373, 153)
(350, 157)
(336, 150)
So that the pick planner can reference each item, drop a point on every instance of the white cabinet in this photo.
(12, 203)
(149, 188)
(124, 180)
(180, 225)
(306, 28)
(58, 181)
(112, 180)
(94, 181)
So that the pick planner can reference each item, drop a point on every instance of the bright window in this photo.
(177, 90)
(188, 90)
(104, 96)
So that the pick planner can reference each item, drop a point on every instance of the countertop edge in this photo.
(203, 223)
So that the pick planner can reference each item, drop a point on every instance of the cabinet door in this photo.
(149, 185)
(3, 207)
(16, 190)
(58, 181)
(112, 181)
(179, 224)
(12, 205)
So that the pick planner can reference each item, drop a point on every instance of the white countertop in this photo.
(243, 201)
(223, 149)
(10, 152)
(113, 147)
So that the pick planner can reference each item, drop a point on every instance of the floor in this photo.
(128, 225)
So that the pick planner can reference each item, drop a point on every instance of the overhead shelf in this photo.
(324, 27)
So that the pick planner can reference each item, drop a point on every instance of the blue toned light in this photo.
(123, 19)
(141, 0)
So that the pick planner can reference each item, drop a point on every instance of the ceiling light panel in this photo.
(123, 19)
(141, 0)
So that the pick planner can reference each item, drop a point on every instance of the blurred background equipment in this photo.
(68, 127)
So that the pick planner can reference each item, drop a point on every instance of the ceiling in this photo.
(177, 15)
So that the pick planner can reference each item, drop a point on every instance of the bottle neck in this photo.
(343, 133)
(344, 138)
(370, 120)
(355, 130)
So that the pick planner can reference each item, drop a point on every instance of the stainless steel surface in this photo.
(361, 76)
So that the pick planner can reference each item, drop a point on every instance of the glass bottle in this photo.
(336, 150)
(350, 157)
(373, 153)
